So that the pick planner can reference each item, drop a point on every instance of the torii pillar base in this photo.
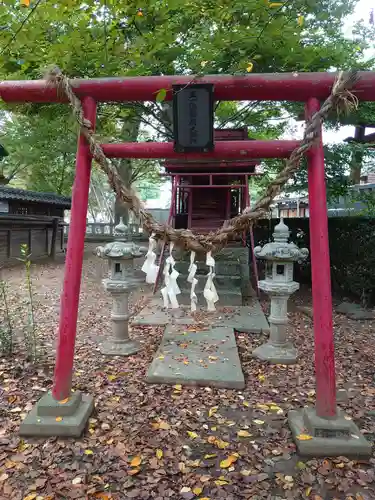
(327, 437)
(51, 418)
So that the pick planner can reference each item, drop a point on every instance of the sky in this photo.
(362, 11)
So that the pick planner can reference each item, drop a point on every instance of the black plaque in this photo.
(193, 118)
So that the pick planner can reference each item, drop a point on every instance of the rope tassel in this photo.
(171, 289)
(210, 293)
(149, 267)
(193, 280)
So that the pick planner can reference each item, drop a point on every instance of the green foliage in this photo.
(6, 329)
(106, 38)
(30, 330)
(352, 269)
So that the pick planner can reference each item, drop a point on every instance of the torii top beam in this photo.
(266, 86)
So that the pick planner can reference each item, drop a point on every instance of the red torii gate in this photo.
(304, 87)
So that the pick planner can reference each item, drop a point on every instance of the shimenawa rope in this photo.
(340, 100)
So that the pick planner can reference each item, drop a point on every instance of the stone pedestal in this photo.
(277, 350)
(119, 344)
(58, 418)
(322, 437)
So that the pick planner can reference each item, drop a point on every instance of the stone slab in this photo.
(245, 319)
(201, 358)
(49, 418)
(330, 437)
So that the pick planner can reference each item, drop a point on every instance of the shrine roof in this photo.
(9, 193)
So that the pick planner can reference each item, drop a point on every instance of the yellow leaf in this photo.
(192, 434)
(197, 490)
(250, 67)
(243, 434)
(185, 489)
(89, 452)
(203, 63)
(30, 497)
(58, 419)
(221, 444)
(159, 454)
(258, 422)
(210, 455)
(212, 410)
(186, 362)
(262, 407)
(133, 472)
(341, 465)
(261, 378)
(245, 403)
(214, 429)
(274, 5)
(111, 378)
(245, 472)
(308, 491)
(204, 498)
(304, 437)
(161, 425)
(161, 357)
(300, 20)
(220, 482)
(178, 387)
(136, 461)
(224, 464)
(64, 401)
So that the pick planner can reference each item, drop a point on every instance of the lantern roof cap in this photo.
(280, 249)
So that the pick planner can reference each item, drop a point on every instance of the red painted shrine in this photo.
(209, 192)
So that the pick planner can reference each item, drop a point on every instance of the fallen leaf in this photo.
(304, 437)
(245, 403)
(210, 455)
(159, 454)
(204, 479)
(4, 477)
(197, 490)
(289, 479)
(243, 433)
(308, 491)
(178, 387)
(192, 435)
(258, 422)
(16, 410)
(224, 464)
(30, 497)
(64, 401)
(77, 480)
(262, 407)
(133, 472)
(136, 461)
(58, 419)
(212, 410)
(221, 482)
(161, 425)
(245, 472)
(185, 489)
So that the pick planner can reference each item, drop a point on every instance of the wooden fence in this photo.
(104, 231)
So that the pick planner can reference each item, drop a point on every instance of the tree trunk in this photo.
(129, 133)
(357, 160)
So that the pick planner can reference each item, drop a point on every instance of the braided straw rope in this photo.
(340, 100)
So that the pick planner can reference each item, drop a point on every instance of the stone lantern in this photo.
(120, 255)
(279, 285)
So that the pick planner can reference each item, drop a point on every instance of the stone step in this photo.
(225, 283)
(223, 268)
(226, 298)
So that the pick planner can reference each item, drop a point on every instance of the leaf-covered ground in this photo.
(159, 442)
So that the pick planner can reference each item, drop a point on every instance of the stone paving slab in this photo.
(246, 319)
(200, 358)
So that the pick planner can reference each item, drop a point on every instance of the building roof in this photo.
(8, 193)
